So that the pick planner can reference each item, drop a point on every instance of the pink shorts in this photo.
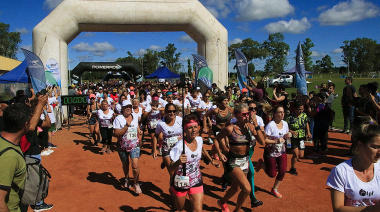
(193, 190)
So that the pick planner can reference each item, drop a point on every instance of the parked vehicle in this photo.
(281, 79)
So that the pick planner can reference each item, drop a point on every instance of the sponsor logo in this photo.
(363, 193)
(116, 67)
(35, 64)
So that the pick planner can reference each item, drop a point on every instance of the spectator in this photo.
(349, 92)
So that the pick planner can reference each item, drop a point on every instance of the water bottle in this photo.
(288, 142)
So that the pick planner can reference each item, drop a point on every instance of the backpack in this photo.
(36, 182)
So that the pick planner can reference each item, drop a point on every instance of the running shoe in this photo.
(52, 146)
(43, 207)
(256, 203)
(258, 165)
(127, 184)
(293, 171)
(275, 193)
(45, 153)
(137, 188)
(49, 151)
(223, 206)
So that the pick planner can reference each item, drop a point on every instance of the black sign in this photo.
(74, 100)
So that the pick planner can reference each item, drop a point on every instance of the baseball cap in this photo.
(165, 90)
(198, 88)
(92, 96)
(132, 93)
(114, 90)
(244, 90)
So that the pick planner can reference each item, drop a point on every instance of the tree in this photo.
(9, 41)
(129, 59)
(326, 64)
(150, 61)
(278, 50)
(170, 58)
(361, 54)
(306, 46)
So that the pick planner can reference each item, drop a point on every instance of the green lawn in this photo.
(339, 85)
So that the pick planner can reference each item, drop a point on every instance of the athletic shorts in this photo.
(92, 121)
(150, 131)
(215, 129)
(237, 161)
(52, 128)
(296, 143)
(193, 190)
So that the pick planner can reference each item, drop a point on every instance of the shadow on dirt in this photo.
(87, 145)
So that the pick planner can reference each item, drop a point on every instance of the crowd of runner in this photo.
(177, 119)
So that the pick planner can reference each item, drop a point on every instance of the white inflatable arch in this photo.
(52, 35)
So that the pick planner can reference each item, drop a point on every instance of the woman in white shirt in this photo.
(153, 113)
(355, 183)
(275, 160)
(105, 118)
(128, 132)
(191, 184)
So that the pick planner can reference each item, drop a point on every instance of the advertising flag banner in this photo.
(300, 72)
(54, 75)
(36, 70)
(205, 79)
(199, 62)
(241, 63)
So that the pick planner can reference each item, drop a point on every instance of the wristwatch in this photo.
(257, 128)
(45, 112)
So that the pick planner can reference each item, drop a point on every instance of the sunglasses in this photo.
(244, 114)
(171, 111)
(252, 108)
(128, 106)
(207, 96)
(159, 92)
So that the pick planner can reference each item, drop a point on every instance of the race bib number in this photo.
(153, 123)
(181, 181)
(110, 126)
(171, 141)
(193, 109)
(302, 144)
(94, 112)
(242, 163)
(131, 134)
(278, 147)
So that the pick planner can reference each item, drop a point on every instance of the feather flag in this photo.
(242, 68)
(300, 72)
(199, 62)
(36, 70)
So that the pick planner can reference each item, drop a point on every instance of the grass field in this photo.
(339, 85)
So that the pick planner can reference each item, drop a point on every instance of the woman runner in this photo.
(92, 109)
(105, 117)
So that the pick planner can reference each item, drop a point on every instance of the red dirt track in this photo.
(84, 180)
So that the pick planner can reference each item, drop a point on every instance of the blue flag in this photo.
(36, 70)
(300, 72)
(241, 63)
(199, 62)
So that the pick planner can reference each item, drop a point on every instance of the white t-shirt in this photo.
(118, 108)
(109, 100)
(149, 98)
(154, 117)
(51, 115)
(130, 139)
(357, 193)
(52, 100)
(105, 120)
(138, 114)
(192, 164)
(276, 150)
(171, 134)
(203, 106)
(186, 103)
(144, 104)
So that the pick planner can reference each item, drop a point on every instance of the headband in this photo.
(192, 122)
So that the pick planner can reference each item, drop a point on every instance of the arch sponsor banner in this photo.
(52, 73)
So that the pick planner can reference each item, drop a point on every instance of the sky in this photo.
(326, 22)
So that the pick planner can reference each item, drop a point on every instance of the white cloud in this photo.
(84, 58)
(349, 11)
(321, 8)
(218, 8)
(293, 26)
(156, 48)
(184, 49)
(244, 27)
(254, 10)
(140, 52)
(110, 59)
(234, 41)
(185, 39)
(51, 4)
(337, 51)
(70, 61)
(22, 31)
(96, 49)
(88, 34)
(317, 54)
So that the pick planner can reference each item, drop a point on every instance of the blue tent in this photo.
(17, 75)
(163, 73)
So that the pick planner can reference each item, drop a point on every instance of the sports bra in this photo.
(240, 140)
(223, 119)
(96, 108)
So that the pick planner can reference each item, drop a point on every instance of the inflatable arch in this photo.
(52, 35)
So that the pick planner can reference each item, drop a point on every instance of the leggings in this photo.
(274, 163)
(106, 134)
